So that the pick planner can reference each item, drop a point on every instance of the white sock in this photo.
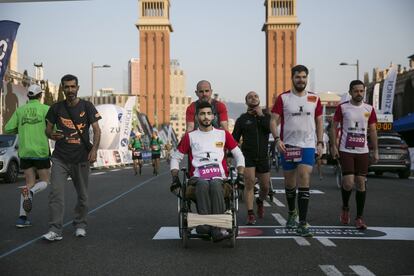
(22, 212)
(38, 187)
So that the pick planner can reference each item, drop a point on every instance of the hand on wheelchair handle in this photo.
(240, 180)
(175, 186)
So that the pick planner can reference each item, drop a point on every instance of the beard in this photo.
(206, 123)
(251, 106)
(300, 86)
(358, 99)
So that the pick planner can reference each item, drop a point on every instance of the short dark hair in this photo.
(355, 82)
(299, 68)
(204, 105)
(38, 96)
(69, 77)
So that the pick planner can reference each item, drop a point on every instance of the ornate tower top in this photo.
(282, 13)
(154, 14)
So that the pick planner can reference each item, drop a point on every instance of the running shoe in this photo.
(23, 222)
(219, 234)
(251, 219)
(80, 232)
(140, 171)
(260, 208)
(344, 217)
(291, 221)
(303, 230)
(27, 199)
(52, 236)
(360, 224)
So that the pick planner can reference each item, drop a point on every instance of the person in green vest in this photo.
(155, 145)
(29, 122)
(136, 146)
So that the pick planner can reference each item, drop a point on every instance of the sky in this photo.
(217, 40)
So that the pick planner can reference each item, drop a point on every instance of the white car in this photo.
(9, 159)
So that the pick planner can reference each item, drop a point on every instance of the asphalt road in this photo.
(132, 231)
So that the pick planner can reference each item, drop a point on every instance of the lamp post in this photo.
(352, 64)
(93, 79)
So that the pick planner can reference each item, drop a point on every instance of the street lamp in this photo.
(93, 78)
(352, 64)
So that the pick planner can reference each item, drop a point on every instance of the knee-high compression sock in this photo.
(345, 197)
(360, 202)
(303, 202)
(290, 198)
(38, 187)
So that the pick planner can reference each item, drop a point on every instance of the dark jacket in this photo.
(255, 131)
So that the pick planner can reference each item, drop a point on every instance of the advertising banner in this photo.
(8, 32)
(388, 91)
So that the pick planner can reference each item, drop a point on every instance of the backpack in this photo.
(215, 122)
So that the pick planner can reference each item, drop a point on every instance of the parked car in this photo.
(9, 159)
(393, 155)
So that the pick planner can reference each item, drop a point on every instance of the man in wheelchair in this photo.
(206, 147)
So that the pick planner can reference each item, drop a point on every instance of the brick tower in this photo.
(280, 28)
(154, 53)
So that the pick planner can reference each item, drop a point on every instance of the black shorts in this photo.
(136, 155)
(354, 163)
(261, 165)
(34, 163)
(156, 156)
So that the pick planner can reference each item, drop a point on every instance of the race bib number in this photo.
(355, 140)
(155, 147)
(209, 171)
(293, 154)
(136, 153)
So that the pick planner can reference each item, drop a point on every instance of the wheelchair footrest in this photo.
(222, 220)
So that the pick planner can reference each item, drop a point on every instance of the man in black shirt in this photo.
(254, 129)
(68, 124)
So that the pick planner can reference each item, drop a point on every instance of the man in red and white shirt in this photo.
(355, 119)
(299, 113)
(205, 148)
(204, 93)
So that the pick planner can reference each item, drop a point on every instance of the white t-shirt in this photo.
(298, 116)
(354, 121)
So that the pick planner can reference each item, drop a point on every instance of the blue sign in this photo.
(8, 31)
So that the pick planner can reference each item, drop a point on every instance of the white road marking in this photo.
(277, 177)
(282, 191)
(115, 170)
(330, 270)
(277, 202)
(299, 240)
(361, 270)
(98, 173)
(326, 242)
(266, 204)
(281, 220)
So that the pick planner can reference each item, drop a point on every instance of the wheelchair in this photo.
(189, 220)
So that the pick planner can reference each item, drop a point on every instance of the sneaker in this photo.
(27, 199)
(251, 219)
(140, 171)
(344, 217)
(23, 222)
(52, 236)
(80, 232)
(303, 230)
(360, 224)
(260, 208)
(219, 234)
(291, 221)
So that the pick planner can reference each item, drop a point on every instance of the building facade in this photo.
(133, 76)
(154, 55)
(179, 101)
(280, 30)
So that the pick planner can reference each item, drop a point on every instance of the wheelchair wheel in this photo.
(184, 238)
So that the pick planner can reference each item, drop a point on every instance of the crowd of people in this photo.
(294, 121)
